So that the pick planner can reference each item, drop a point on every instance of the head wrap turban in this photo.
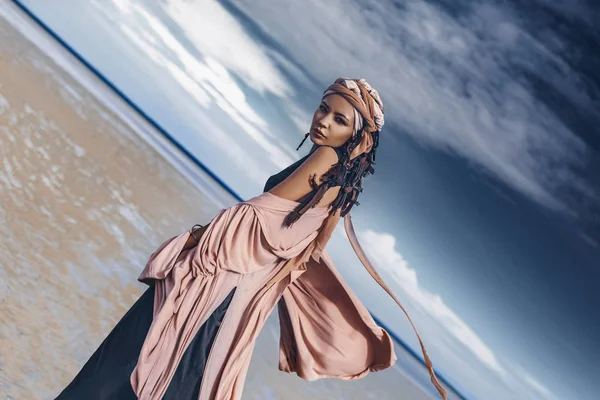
(368, 109)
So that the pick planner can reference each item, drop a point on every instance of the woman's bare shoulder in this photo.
(322, 159)
(298, 183)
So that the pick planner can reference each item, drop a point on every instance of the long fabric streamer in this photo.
(369, 267)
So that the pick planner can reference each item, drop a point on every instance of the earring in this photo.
(302, 142)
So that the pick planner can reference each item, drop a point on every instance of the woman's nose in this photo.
(324, 122)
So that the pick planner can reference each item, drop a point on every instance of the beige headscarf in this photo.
(368, 109)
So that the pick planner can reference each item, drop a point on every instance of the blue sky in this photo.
(483, 214)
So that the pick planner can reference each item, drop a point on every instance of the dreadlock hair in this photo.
(346, 173)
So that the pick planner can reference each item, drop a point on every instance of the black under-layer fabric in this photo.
(106, 374)
(274, 180)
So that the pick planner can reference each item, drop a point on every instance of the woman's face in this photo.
(333, 122)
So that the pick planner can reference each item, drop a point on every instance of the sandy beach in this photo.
(86, 198)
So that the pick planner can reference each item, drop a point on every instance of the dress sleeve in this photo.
(326, 332)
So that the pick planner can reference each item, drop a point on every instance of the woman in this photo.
(191, 334)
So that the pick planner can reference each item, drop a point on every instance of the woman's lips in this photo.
(319, 134)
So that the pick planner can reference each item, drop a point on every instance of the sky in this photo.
(483, 214)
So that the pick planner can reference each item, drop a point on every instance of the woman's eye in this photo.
(340, 121)
(322, 108)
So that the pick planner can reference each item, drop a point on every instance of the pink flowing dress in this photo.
(325, 330)
(192, 333)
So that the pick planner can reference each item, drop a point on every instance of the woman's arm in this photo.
(294, 186)
(191, 242)
(297, 185)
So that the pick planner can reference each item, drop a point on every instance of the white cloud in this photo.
(526, 383)
(208, 80)
(234, 51)
(449, 80)
(123, 5)
(216, 33)
(538, 386)
(144, 43)
(508, 380)
(382, 252)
